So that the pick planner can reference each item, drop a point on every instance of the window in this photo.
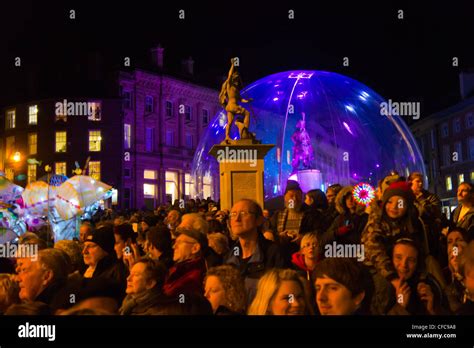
(460, 178)
(61, 141)
(95, 140)
(207, 186)
(471, 148)
(149, 190)
(170, 138)
(470, 120)
(187, 113)
(444, 130)
(149, 139)
(149, 174)
(188, 182)
(31, 173)
(32, 143)
(458, 151)
(189, 141)
(95, 111)
(169, 109)
(127, 131)
(449, 183)
(457, 125)
(472, 176)
(205, 117)
(33, 114)
(60, 168)
(148, 104)
(127, 99)
(446, 155)
(11, 119)
(9, 146)
(172, 185)
(94, 169)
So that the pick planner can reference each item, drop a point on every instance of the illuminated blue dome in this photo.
(350, 140)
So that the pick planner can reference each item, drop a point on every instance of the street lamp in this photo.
(17, 157)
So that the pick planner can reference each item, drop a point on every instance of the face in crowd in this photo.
(214, 292)
(243, 219)
(185, 248)
(309, 248)
(119, 245)
(416, 185)
(331, 196)
(405, 258)
(32, 279)
(456, 245)
(93, 253)
(138, 281)
(396, 207)
(83, 231)
(464, 194)
(288, 300)
(350, 202)
(333, 298)
(294, 199)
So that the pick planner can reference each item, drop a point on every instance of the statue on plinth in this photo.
(230, 98)
(302, 148)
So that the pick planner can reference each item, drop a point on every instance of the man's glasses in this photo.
(233, 215)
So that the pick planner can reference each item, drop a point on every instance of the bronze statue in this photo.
(230, 98)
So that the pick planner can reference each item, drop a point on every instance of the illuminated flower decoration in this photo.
(363, 193)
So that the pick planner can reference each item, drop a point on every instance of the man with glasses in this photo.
(252, 254)
(463, 215)
(187, 275)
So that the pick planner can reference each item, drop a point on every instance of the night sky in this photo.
(404, 60)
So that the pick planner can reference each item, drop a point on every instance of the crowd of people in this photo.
(193, 258)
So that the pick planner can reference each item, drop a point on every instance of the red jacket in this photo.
(186, 278)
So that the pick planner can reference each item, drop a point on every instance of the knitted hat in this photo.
(103, 237)
(292, 185)
(399, 188)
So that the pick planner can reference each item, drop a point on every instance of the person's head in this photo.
(218, 242)
(345, 202)
(73, 250)
(316, 199)
(246, 218)
(293, 195)
(85, 228)
(124, 236)
(266, 214)
(416, 181)
(398, 200)
(30, 238)
(159, 241)
(405, 257)
(9, 291)
(342, 286)
(192, 238)
(457, 239)
(147, 222)
(224, 286)
(387, 181)
(280, 292)
(332, 192)
(309, 246)
(98, 244)
(173, 218)
(29, 308)
(465, 194)
(50, 267)
(146, 274)
(466, 268)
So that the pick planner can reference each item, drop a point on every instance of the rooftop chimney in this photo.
(157, 55)
(188, 66)
(466, 84)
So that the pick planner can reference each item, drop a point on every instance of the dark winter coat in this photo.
(147, 303)
(467, 221)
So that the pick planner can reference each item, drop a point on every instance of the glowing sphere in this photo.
(363, 193)
(351, 138)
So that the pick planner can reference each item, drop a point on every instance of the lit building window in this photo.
(171, 185)
(11, 119)
(60, 168)
(188, 183)
(207, 186)
(460, 178)
(149, 190)
(127, 131)
(449, 183)
(94, 169)
(31, 173)
(95, 111)
(32, 143)
(148, 104)
(149, 174)
(61, 141)
(33, 114)
(95, 140)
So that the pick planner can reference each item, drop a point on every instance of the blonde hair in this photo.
(9, 291)
(307, 237)
(268, 286)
